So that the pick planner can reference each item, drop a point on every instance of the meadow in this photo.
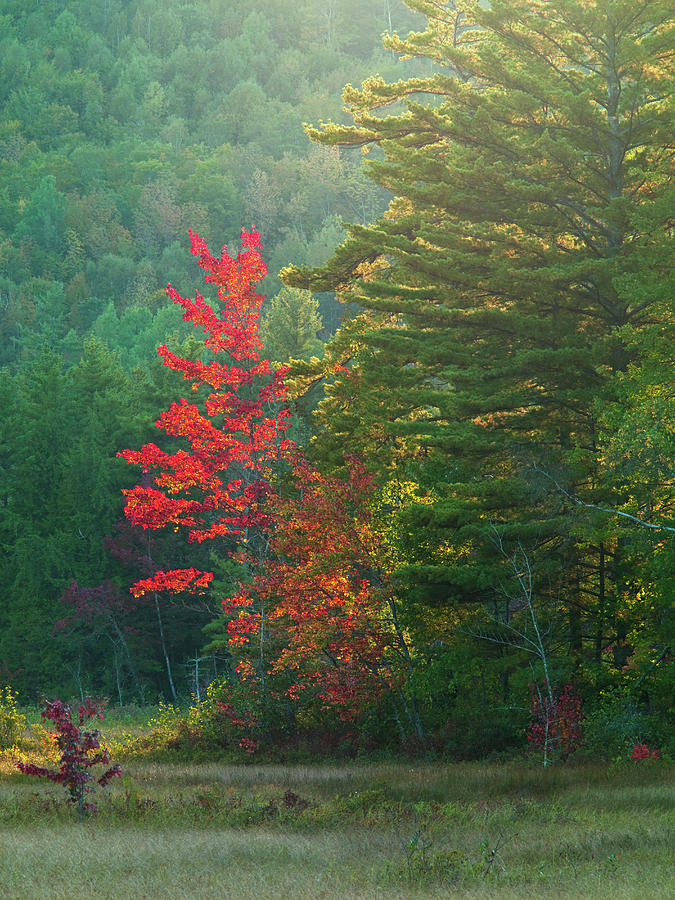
(394, 829)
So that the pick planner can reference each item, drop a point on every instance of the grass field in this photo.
(385, 830)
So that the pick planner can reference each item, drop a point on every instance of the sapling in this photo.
(80, 750)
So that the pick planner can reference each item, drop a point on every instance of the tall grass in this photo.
(345, 831)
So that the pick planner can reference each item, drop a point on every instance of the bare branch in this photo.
(605, 509)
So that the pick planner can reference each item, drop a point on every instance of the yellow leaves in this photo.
(386, 507)
(400, 492)
(369, 270)
(400, 207)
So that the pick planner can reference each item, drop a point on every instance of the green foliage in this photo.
(114, 140)
(422, 864)
(637, 446)
(615, 722)
(43, 218)
(60, 483)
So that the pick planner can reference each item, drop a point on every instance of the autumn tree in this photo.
(336, 650)
(312, 583)
(213, 489)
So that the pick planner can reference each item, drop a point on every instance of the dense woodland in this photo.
(427, 500)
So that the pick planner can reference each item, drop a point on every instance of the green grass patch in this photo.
(345, 830)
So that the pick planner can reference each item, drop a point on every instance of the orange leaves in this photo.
(176, 581)
(214, 373)
(237, 331)
(242, 627)
(149, 457)
(150, 508)
(326, 599)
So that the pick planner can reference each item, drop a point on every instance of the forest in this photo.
(400, 477)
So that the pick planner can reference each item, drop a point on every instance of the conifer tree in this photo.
(290, 325)
(527, 233)
(37, 546)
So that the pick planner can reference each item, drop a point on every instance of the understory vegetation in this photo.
(338, 829)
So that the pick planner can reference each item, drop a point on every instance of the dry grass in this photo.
(345, 831)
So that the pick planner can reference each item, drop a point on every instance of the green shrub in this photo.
(12, 722)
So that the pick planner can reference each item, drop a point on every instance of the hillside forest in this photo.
(400, 476)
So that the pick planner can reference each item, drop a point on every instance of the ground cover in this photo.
(344, 830)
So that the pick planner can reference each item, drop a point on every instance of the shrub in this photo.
(167, 725)
(642, 751)
(615, 723)
(79, 751)
(12, 722)
(556, 726)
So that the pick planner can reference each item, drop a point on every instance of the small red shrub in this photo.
(642, 751)
(80, 750)
(557, 725)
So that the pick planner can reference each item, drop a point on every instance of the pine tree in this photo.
(528, 230)
(37, 546)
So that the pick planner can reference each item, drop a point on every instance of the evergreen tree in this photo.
(528, 230)
(37, 544)
(43, 219)
(290, 326)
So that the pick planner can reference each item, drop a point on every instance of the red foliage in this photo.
(319, 605)
(76, 746)
(642, 751)
(557, 725)
(329, 603)
(88, 604)
(216, 488)
(241, 722)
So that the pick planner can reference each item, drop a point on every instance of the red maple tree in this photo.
(79, 749)
(216, 487)
(316, 615)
